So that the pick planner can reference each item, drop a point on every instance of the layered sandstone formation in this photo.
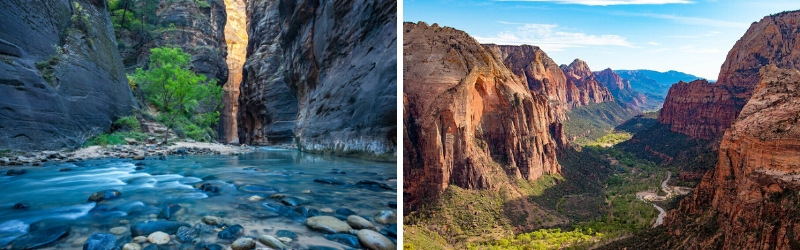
(773, 40)
(61, 81)
(236, 40)
(750, 200)
(537, 71)
(582, 85)
(468, 120)
(321, 75)
(621, 90)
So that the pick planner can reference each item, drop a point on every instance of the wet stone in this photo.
(231, 232)
(346, 239)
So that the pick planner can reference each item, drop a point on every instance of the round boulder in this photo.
(243, 244)
(328, 224)
(374, 240)
(359, 222)
(158, 238)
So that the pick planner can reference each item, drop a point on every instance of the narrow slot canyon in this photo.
(236, 39)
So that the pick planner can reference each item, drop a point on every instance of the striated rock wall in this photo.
(582, 87)
(537, 71)
(61, 82)
(468, 120)
(750, 200)
(321, 75)
(236, 40)
(772, 40)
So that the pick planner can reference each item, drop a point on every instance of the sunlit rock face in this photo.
(321, 76)
(703, 110)
(236, 39)
(61, 82)
(752, 192)
(468, 120)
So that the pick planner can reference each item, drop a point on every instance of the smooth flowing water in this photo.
(57, 194)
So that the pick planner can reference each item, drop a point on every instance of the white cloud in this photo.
(607, 2)
(551, 37)
(653, 43)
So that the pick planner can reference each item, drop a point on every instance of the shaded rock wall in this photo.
(773, 40)
(321, 76)
(468, 120)
(750, 200)
(622, 92)
(61, 82)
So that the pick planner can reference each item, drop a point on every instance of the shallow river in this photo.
(57, 194)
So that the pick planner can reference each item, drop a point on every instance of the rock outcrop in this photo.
(468, 120)
(61, 76)
(197, 27)
(773, 40)
(621, 90)
(750, 200)
(236, 40)
(321, 75)
(582, 85)
(539, 72)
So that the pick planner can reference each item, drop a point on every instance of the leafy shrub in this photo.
(127, 123)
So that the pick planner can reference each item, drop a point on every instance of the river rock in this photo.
(231, 232)
(140, 239)
(20, 205)
(186, 234)
(328, 224)
(271, 242)
(255, 198)
(208, 246)
(347, 239)
(243, 244)
(39, 238)
(213, 220)
(374, 240)
(390, 231)
(329, 181)
(100, 241)
(132, 246)
(118, 230)
(206, 187)
(373, 186)
(285, 239)
(385, 217)
(15, 172)
(359, 222)
(169, 211)
(292, 201)
(104, 195)
(158, 238)
(151, 226)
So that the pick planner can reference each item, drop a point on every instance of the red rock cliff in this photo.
(750, 200)
(621, 89)
(582, 87)
(714, 107)
(467, 118)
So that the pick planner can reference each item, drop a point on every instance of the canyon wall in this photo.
(468, 120)
(322, 76)
(582, 85)
(61, 76)
(621, 90)
(236, 40)
(703, 110)
(750, 200)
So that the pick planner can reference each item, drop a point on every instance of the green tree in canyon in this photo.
(177, 93)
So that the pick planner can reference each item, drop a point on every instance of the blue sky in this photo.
(691, 36)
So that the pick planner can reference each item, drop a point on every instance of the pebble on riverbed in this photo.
(375, 240)
(385, 217)
(270, 241)
(158, 238)
(359, 222)
(243, 244)
(328, 224)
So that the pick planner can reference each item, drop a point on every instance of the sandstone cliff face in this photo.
(537, 71)
(582, 87)
(751, 196)
(321, 76)
(61, 82)
(621, 90)
(467, 118)
(236, 40)
(773, 40)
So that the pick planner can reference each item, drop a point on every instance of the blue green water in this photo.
(55, 196)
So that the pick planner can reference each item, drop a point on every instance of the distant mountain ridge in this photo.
(653, 83)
